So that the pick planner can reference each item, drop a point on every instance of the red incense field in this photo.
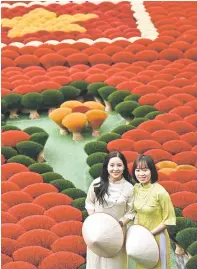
(69, 70)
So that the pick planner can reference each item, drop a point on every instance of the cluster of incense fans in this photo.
(75, 117)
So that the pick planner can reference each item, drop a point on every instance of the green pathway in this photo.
(68, 157)
(62, 153)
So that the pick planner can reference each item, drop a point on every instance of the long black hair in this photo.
(145, 161)
(101, 188)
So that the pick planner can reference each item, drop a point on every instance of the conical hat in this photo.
(103, 234)
(142, 247)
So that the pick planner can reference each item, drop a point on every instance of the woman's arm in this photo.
(167, 211)
(135, 220)
(130, 213)
(160, 228)
(124, 222)
(90, 200)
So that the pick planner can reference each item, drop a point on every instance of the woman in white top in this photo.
(111, 193)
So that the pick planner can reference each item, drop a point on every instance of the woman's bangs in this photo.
(142, 164)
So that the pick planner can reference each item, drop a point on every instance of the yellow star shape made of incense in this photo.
(41, 19)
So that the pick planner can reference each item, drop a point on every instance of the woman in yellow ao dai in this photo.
(153, 207)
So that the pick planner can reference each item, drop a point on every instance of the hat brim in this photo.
(103, 234)
(142, 247)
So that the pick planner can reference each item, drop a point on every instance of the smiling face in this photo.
(143, 173)
(115, 168)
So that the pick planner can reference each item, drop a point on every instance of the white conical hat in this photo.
(103, 234)
(142, 247)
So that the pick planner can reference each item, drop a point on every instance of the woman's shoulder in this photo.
(96, 180)
(136, 186)
(160, 190)
(129, 187)
(128, 184)
(159, 187)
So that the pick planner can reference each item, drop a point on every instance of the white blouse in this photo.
(119, 201)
